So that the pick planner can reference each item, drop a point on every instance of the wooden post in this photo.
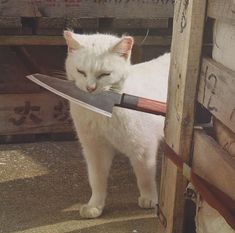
(188, 28)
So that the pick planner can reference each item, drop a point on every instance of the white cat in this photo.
(102, 62)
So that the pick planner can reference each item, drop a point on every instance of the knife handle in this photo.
(143, 104)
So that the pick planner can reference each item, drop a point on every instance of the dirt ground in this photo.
(42, 186)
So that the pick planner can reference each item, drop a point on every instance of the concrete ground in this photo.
(42, 186)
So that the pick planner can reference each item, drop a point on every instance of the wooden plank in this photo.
(33, 113)
(10, 22)
(84, 8)
(185, 60)
(217, 91)
(56, 25)
(50, 26)
(222, 10)
(10, 25)
(139, 23)
(17, 62)
(82, 23)
(209, 160)
(59, 40)
(224, 136)
(224, 44)
(22, 8)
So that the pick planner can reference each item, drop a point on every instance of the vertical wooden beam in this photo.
(186, 47)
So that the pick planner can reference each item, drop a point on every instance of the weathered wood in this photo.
(185, 59)
(12, 72)
(59, 40)
(50, 26)
(10, 25)
(84, 8)
(139, 23)
(217, 91)
(55, 26)
(224, 44)
(209, 220)
(10, 22)
(17, 62)
(213, 164)
(32, 40)
(82, 23)
(224, 136)
(222, 10)
(23, 8)
(33, 113)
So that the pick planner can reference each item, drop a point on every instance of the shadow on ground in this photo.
(42, 186)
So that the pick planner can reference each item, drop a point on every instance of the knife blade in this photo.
(103, 102)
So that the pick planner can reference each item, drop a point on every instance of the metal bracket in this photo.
(161, 216)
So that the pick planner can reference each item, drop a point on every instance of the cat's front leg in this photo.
(145, 170)
(99, 159)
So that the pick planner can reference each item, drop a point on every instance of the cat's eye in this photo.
(81, 72)
(103, 75)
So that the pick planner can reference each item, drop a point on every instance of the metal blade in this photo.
(102, 103)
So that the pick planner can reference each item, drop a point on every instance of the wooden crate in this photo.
(38, 113)
(83, 8)
(210, 82)
(31, 38)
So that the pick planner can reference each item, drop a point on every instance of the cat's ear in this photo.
(71, 42)
(123, 47)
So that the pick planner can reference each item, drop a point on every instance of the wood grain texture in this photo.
(222, 10)
(224, 44)
(138, 23)
(59, 40)
(84, 8)
(217, 91)
(188, 28)
(33, 113)
(10, 22)
(213, 163)
(22, 8)
(56, 25)
(224, 136)
(10, 25)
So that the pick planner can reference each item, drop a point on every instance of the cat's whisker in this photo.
(58, 73)
(114, 89)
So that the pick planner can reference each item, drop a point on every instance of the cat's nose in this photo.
(91, 88)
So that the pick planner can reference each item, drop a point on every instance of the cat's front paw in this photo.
(147, 203)
(88, 211)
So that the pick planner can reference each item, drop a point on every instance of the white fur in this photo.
(133, 133)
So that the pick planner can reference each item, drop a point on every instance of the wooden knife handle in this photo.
(143, 104)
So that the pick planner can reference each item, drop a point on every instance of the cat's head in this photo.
(98, 62)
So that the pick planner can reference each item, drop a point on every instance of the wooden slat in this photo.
(217, 91)
(10, 25)
(139, 23)
(224, 136)
(213, 163)
(10, 22)
(55, 26)
(22, 8)
(59, 40)
(33, 113)
(84, 8)
(224, 44)
(185, 59)
(222, 10)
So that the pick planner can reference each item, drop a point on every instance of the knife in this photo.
(102, 102)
